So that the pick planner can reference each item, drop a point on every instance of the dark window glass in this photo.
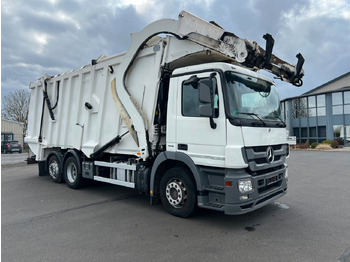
(322, 131)
(190, 101)
(190, 98)
(303, 132)
(296, 132)
(312, 131)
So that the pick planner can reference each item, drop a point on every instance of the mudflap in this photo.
(42, 168)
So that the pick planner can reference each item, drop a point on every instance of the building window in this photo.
(337, 110)
(338, 131)
(312, 105)
(337, 102)
(321, 111)
(312, 101)
(303, 107)
(312, 131)
(304, 132)
(296, 132)
(7, 137)
(347, 97)
(347, 139)
(295, 108)
(337, 98)
(322, 133)
(346, 109)
(347, 102)
(321, 105)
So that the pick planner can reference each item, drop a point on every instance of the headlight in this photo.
(245, 185)
(286, 175)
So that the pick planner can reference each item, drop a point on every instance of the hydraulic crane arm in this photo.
(207, 34)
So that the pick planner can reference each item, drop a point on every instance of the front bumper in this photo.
(242, 208)
(266, 188)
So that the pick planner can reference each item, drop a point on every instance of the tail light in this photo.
(8, 145)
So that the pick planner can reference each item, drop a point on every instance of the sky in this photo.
(54, 36)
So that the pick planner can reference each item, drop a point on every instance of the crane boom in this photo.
(209, 35)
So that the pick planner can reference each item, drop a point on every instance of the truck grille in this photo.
(264, 159)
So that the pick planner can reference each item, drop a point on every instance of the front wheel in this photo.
(178, 192)
(72, 173)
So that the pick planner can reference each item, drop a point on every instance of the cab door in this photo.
(203, 141)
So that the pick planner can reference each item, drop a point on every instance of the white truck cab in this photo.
(224, 120)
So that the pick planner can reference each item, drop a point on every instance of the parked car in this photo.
(10, 147)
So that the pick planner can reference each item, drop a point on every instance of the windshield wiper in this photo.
(275, 114)
(251, 114)
(284, 124)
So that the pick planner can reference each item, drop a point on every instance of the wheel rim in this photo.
(176, 193)
(72, 172)
(54, 169)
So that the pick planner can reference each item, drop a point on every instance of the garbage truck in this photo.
(184, 116)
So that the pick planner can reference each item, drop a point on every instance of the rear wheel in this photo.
(178, 192)
(72, 173)
(54, 169)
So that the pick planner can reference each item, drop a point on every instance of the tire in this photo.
(178, 192)
(54, 169)
(72, 173)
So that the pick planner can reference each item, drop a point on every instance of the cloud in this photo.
(321, 32)
(55, 36)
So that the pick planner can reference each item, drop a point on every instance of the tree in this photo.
(299, 108)
(15, 107)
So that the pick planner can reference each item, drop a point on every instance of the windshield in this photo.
(252, 98)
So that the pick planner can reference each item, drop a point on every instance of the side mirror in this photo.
(206, 107)
(205, 93)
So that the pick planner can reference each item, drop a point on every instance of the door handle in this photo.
(182, 147)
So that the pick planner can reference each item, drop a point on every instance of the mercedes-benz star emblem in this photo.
(270, 155)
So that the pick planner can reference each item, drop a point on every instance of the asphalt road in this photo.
(13, 158)
(44, 221)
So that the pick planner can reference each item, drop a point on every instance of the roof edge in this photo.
(327, 83)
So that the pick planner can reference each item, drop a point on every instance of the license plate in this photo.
(271, 180)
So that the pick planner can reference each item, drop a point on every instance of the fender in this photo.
(43, 165)
(177, 156)
(75, 154)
